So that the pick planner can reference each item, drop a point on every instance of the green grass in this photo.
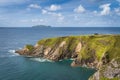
(99, 45)
(51, 41)
(72, 42)
(103, 78)
(29, 47)
(114, 51)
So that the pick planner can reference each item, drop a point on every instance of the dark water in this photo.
(15, 67)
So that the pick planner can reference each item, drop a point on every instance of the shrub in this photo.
(29, 47)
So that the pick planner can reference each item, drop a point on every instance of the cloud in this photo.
(32, 20)
(36, 6)
(9, 2)
(95, 12)
(50, 11)
(59, 16)
(44, 11)
(24, 21)
(118, 0)
(79, 9)
(117, 11)
(37, 20)
(54, 7)
(105, 9)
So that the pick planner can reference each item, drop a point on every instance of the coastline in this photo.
(57, 48)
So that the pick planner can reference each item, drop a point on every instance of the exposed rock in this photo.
(47, 50)
(62, 44)
(78, 48)
(107, 72)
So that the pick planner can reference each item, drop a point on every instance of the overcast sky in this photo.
(60, 13)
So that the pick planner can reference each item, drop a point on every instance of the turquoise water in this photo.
(15, 67)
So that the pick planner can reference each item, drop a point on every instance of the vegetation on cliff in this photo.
(94, 51)
(29, 47)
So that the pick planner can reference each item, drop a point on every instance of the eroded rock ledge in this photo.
(101, 52)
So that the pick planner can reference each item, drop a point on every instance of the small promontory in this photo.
(101, 52)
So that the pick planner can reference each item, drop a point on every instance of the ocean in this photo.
(16, 67)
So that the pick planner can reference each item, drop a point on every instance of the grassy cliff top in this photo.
(97, 45)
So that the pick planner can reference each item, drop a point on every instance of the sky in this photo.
(60, 13)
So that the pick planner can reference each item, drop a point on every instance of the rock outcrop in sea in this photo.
(101, 52)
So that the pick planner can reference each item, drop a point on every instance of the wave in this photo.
(46, 60)
(10, 53)
(71, 59)
(13, 53)
(41, 60)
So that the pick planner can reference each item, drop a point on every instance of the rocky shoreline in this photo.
(101, 52)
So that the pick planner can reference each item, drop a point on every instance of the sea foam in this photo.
(13, 53)
(41, 60)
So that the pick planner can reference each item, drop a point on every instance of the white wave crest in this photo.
(72, 59)
(13, 53)
(41, 60)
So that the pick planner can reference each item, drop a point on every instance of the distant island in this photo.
(41, 26)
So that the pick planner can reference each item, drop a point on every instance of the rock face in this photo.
(101, 52)
(110, 71)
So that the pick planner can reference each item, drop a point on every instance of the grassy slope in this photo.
(99, 44)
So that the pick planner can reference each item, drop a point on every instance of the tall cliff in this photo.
(101, 52)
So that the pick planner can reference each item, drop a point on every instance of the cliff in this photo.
(101, 52)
